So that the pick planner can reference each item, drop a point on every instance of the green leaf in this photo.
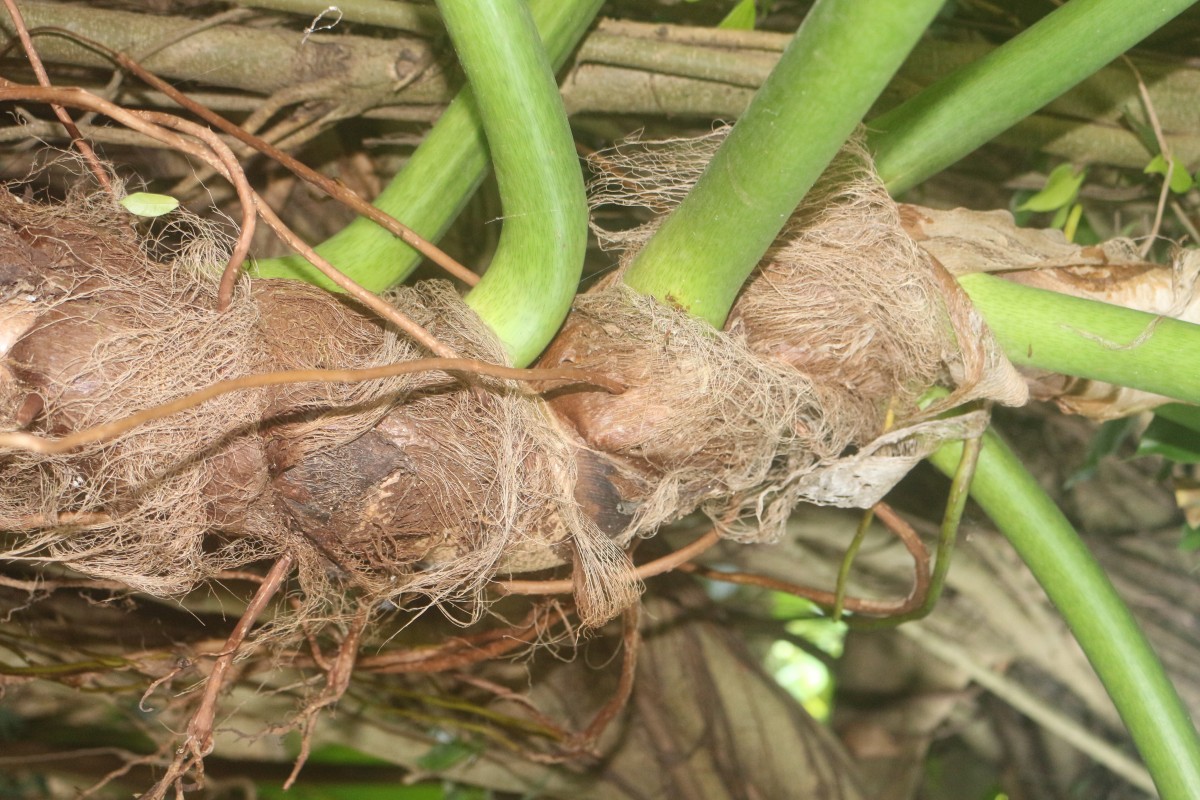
(741, 17)
(1061, 189)
(459, 792)
(1170, 440)
(448, 754)
(145, 204)
(351, 791)
(1181, 180)
(1190, 542)
(1181, 414)
(1105, 442)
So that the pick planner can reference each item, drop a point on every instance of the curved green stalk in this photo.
(1090, 339)
(841, 58)
(971, 106)
(438, 180)
(1108, 633)
(528, 288)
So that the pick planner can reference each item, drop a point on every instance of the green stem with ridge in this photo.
(974, 104)
(436, 182)
(529, 285)
(1090, 339)
(1109, 635)
(840, 60)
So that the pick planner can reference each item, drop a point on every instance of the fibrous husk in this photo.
(1113, 271)
(810, 393)
(421, 485)
(103, 332)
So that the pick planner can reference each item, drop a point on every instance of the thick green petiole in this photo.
(840, 60)
(971, 106)
(1107, 632)
(438, 180)
(1090, 339)
(528, 288)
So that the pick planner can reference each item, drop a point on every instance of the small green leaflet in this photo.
(145, 204)
(1181, 181)
(1171, 440)
(1105, 442)
(740, 18)
(1190, 542)
(1062, 187)
(445, 755)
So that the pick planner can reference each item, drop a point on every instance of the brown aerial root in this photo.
(658, 566)
(828, 600)
(216, 154)
(330, 187)
(109, 431)
(169, 444)
(459, 652)
(455, 655)
(199, 738)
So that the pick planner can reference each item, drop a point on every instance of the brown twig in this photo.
(20, 440)
(1163, 147)
(896, 524)
(43, 78)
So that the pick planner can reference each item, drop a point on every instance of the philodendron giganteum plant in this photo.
(780, 331)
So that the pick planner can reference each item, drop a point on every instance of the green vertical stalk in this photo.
(971, 106)
(841, 58)
(438, 180)
(1107, 632)
(528, 288)
(1090, 339)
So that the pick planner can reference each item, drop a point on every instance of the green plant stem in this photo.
(1103, 625)
(438, 180)
(974, 104)
(528, 288)
(1090, 339)
(843, 576)
(841, 58)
